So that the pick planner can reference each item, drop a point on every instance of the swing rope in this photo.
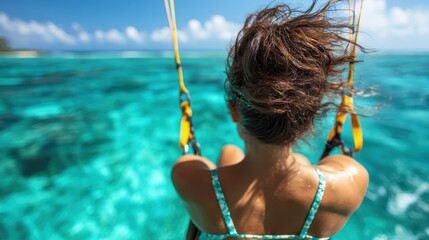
(334, 138)
(187, 135)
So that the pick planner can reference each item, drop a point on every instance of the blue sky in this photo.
(142, 25)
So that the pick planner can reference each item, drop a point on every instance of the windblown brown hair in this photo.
(283, 64)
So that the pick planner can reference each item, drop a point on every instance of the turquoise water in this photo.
(87, 142)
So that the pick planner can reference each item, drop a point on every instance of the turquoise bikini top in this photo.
(232, 232)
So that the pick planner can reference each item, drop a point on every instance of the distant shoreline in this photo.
(152, 53)
(112, 54)
(22, 53)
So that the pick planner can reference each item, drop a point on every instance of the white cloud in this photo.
(33, 32)
(117, 37)
(161, 35)
(216, 29)
(383, 26)
(134, 35)
(197, 30)
(399, 16)
(373, 18)
(77, 27)
(219, 27)
(164, 35)
(380, 21)
(111, 36)
(60, 34)
(83, 36)
(48, 32)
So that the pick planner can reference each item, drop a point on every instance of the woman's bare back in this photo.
(277, 203)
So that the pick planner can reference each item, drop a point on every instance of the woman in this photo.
(282, 65)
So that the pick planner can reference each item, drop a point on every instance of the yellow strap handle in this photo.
(345, 107)
(357, 132)
(185, 124)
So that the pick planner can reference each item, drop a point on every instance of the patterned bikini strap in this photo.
(222, 203)
(315, 205)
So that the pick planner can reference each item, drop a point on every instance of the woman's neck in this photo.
(268, 158)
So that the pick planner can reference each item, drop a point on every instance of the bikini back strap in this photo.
(222, 203)
(315, 205)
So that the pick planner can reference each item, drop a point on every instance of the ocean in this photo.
(87, 142)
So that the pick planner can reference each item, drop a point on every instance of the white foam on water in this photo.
(157, 178)
(132, 177)
(403, 200)
(122, 231)
(402, 233)
(381, 191)
(381, 237)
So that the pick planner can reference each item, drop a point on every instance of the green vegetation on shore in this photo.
(7, 50)
(4, 44)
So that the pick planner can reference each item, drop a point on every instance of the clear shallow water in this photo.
(87, 142)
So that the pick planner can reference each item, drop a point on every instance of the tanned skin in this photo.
(269, 189)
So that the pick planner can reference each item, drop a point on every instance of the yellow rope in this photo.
(186, 133)
(172, 22)
(346, 105)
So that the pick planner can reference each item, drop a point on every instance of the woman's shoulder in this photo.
(191, 176)
(342, 166)
(346, 183)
